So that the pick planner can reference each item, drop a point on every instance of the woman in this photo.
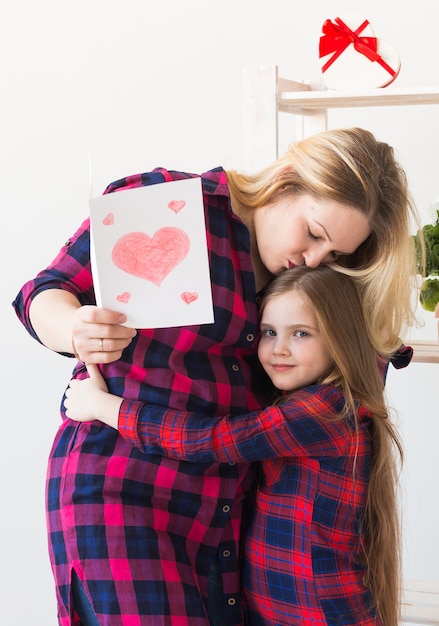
(143, 537)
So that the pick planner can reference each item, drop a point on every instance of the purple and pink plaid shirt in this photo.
(141, 530)
(301, 552)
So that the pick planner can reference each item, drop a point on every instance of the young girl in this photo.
(322, 543)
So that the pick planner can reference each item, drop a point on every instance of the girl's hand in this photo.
(436, 312)
(89, 399)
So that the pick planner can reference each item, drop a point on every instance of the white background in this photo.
(136, 85)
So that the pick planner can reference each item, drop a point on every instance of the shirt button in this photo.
(232, 463)
(231, 601)
(226, 553)
(250, 337)
(235, 368)
(226, 508)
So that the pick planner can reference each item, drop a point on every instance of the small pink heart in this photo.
(189, 297)
(176, 205)
(123, 297)
(108, 220)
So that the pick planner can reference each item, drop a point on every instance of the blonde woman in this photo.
(142, 537)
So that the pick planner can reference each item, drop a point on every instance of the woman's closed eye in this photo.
(314, 237)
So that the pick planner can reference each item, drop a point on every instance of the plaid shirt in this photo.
(141, 530)
(301, 551)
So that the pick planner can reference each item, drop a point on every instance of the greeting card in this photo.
(149, 254)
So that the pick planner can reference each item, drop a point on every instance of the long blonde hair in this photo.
(335, 301)
(351, 167)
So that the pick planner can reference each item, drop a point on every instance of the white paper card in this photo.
(149, 254)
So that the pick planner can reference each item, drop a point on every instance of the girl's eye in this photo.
(269, 332)
(301, 333)
(311, 235)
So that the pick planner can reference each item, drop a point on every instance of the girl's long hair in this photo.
(335, 301)
(351, 167)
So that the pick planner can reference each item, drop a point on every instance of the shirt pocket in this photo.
(273, 471)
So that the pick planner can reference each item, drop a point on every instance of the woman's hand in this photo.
(436, 312)
(98, 335)
(88, 399)
(92, 334)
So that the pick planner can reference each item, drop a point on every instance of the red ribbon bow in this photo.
(337, 37)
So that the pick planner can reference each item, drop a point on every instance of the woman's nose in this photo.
(314, 258)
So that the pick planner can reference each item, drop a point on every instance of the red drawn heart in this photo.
(189, 297)
(176, 205)
(151, 258)
(123, 297)
(108, 220)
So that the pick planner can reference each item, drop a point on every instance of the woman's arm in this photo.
(58, 307)
(52, 316)
(292, 429)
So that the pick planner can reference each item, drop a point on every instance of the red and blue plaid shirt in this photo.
(302, 546)
(141, 530)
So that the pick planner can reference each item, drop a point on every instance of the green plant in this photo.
(429, 294)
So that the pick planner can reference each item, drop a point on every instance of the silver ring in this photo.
(101, 345)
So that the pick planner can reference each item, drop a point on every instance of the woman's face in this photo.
(303, 230)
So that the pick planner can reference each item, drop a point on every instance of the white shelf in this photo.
(265, 95)
(420, 603)
(300, 101)
(424, 351)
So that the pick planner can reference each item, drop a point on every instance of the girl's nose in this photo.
(280, 347)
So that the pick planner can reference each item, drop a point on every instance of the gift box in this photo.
(353, 58)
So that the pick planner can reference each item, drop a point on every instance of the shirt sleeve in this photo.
(70, 271)
(399, 359)
(302, 426)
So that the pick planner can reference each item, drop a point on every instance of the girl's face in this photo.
(291, 348)
(303, 230)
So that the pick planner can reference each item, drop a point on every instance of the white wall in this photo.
(141, 84)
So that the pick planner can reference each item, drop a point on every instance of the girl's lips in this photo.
(281, 367)
(291, 264)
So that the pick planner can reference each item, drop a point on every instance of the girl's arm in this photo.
(89, 399)
(292, 429)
